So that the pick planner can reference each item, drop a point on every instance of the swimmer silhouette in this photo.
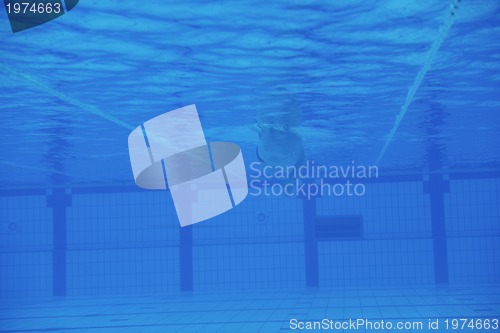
(279, 144)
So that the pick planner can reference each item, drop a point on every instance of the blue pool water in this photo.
(410, 87)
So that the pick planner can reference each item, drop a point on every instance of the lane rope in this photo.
(450, 19)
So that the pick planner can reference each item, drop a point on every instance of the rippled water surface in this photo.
(72, 89)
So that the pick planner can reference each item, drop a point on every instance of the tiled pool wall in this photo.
(121, 241)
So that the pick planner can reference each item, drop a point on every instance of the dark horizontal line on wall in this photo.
(107, 189)
(22, 192)
(389, 177)
(46, 249)
(472, 175)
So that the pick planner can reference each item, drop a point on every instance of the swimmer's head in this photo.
(280, 146)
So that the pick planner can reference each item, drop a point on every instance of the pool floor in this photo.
(249, 311)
